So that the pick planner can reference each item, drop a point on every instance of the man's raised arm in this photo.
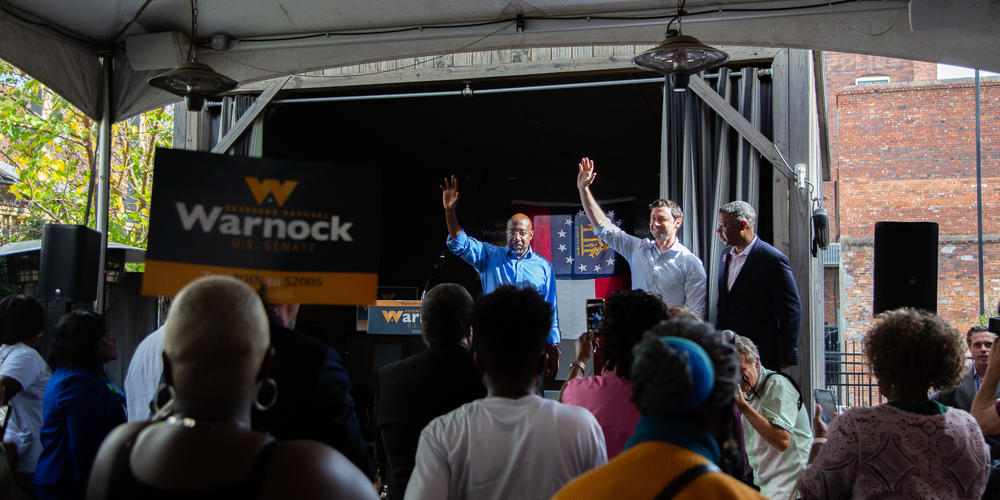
(984, 405)
(584, 179)
(449, 198)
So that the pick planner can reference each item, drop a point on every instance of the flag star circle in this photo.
(562, 248)
(562, 234)
(568, 221)
(597, 267)
(583, 267)
(610, 261)
(611, 214)
(569, 260)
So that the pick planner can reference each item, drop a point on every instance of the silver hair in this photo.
(746, 349)
(740, 210)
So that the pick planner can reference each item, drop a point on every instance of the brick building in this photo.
(903, 149)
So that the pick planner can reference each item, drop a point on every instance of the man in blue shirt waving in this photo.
(514, 264)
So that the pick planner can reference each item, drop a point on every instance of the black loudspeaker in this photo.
(68, 264)
(905, 266)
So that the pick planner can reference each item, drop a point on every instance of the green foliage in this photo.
(52, 146)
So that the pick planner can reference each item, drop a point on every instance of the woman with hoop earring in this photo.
(216, 357)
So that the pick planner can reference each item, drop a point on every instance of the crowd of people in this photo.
(227, 399)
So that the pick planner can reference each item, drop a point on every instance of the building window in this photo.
(872, 80)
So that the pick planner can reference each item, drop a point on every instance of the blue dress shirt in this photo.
(500, 266)
(79, 410)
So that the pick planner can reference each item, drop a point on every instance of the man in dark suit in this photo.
(758, 298)
(313, 399)
(414, 391)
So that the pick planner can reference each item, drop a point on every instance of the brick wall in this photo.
(906, 152)
(841, 71)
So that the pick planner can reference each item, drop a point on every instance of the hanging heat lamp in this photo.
(192, 80)
(678, 55)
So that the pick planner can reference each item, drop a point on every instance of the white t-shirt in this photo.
(143, 376)
(23, 364)
(501, 448)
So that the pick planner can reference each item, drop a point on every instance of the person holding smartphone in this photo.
(608, 393)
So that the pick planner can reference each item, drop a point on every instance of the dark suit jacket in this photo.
(411, 393)
(763, 304)
(314, 397)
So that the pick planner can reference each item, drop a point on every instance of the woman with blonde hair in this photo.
(216, 356)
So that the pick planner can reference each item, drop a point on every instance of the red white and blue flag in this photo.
(585, 266)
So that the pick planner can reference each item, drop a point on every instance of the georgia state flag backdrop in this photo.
(585, 266)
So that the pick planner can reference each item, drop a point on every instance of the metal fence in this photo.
(847, 374)
(848, 377)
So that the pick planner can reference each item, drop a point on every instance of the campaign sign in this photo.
(384, 293)
(309, 233)
(394, 317)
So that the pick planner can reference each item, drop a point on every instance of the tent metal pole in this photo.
(468, 92)
(979, 197)
(103, 178)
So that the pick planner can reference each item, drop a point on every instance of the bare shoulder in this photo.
(309, 469)
(104, 464)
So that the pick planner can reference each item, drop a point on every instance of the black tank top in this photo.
(126, 486)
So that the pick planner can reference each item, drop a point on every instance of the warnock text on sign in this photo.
(307, 232)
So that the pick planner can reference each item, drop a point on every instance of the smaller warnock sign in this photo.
(394, 317)
(307, 232)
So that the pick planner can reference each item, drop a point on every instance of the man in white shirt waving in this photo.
(662, 266)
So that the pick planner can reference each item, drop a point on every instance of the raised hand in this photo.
(586, 175)
(449, 193)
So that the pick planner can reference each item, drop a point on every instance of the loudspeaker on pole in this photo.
(68, 266)
(905, 273)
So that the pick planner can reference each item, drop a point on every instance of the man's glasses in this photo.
(522, 232)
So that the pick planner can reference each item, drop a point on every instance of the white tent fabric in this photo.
(59, 41)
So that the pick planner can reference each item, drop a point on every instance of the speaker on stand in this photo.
(905, 273)
(67, 267)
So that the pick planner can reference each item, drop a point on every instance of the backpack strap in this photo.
(790, 379)
(684, 479)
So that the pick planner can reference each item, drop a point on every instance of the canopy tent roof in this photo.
(59, 41)
(133, 255)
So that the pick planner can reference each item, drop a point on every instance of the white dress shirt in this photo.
(736, 261)
(676, 274)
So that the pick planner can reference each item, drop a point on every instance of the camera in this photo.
(994, 325)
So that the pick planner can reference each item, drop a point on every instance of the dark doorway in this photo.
(503, 147)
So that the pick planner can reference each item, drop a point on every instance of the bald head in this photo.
(519, 234)
(215, 341)
(519, 218)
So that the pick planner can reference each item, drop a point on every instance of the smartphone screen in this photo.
(825, 399)
(595, 315)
